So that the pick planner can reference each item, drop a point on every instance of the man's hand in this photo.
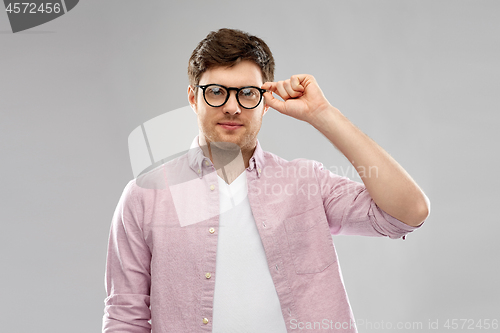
(391, 187)
(303, 98)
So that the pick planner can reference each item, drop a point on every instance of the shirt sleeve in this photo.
(128, 276)
(350, 210)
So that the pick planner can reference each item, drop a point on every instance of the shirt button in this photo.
(205, 320)
(211, 230)
(208, 275)
(206, 163)
(259, 170)
(199, 170)
(212, 187)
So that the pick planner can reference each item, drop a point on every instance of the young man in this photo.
(230, 238)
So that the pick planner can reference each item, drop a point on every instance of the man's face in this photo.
(210, 119)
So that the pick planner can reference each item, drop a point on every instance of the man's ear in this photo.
(192, 98)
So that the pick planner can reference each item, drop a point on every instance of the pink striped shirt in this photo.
(160, 269)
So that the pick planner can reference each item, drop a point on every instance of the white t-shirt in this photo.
(245, 299)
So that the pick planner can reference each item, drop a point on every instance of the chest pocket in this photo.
(310, 241)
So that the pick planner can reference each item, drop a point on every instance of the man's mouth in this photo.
(230, 125)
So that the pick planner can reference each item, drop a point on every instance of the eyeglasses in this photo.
(217, 95)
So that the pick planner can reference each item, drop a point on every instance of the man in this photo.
(230, 238)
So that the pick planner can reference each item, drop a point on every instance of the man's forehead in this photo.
(241, 74)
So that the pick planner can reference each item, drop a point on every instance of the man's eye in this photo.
(248, 92)
(216, 91)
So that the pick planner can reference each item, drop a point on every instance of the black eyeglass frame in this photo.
(204, 87)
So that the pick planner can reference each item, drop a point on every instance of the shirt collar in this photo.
(198, 161)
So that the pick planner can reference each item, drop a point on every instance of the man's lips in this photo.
(230, 125)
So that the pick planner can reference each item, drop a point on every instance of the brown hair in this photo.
(227, 47)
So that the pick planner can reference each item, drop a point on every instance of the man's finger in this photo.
(282, 91)
(270, 86)
(295, 83)
(274, 102)
(290, 90)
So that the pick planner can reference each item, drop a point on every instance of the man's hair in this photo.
(226, 48)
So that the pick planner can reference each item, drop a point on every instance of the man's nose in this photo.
(232, 106)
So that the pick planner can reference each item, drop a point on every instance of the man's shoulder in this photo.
(273, 160)
(155, 177)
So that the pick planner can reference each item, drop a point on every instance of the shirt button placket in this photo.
(211, 230)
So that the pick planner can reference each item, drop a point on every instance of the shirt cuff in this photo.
(389, 225)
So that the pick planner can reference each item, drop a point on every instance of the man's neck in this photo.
(228, 158)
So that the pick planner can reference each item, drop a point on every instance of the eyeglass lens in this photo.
(247, 97)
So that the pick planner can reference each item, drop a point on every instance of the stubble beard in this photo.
(246, 141)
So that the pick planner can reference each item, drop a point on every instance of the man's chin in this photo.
(226, 145)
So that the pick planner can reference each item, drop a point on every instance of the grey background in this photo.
(419, 77)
